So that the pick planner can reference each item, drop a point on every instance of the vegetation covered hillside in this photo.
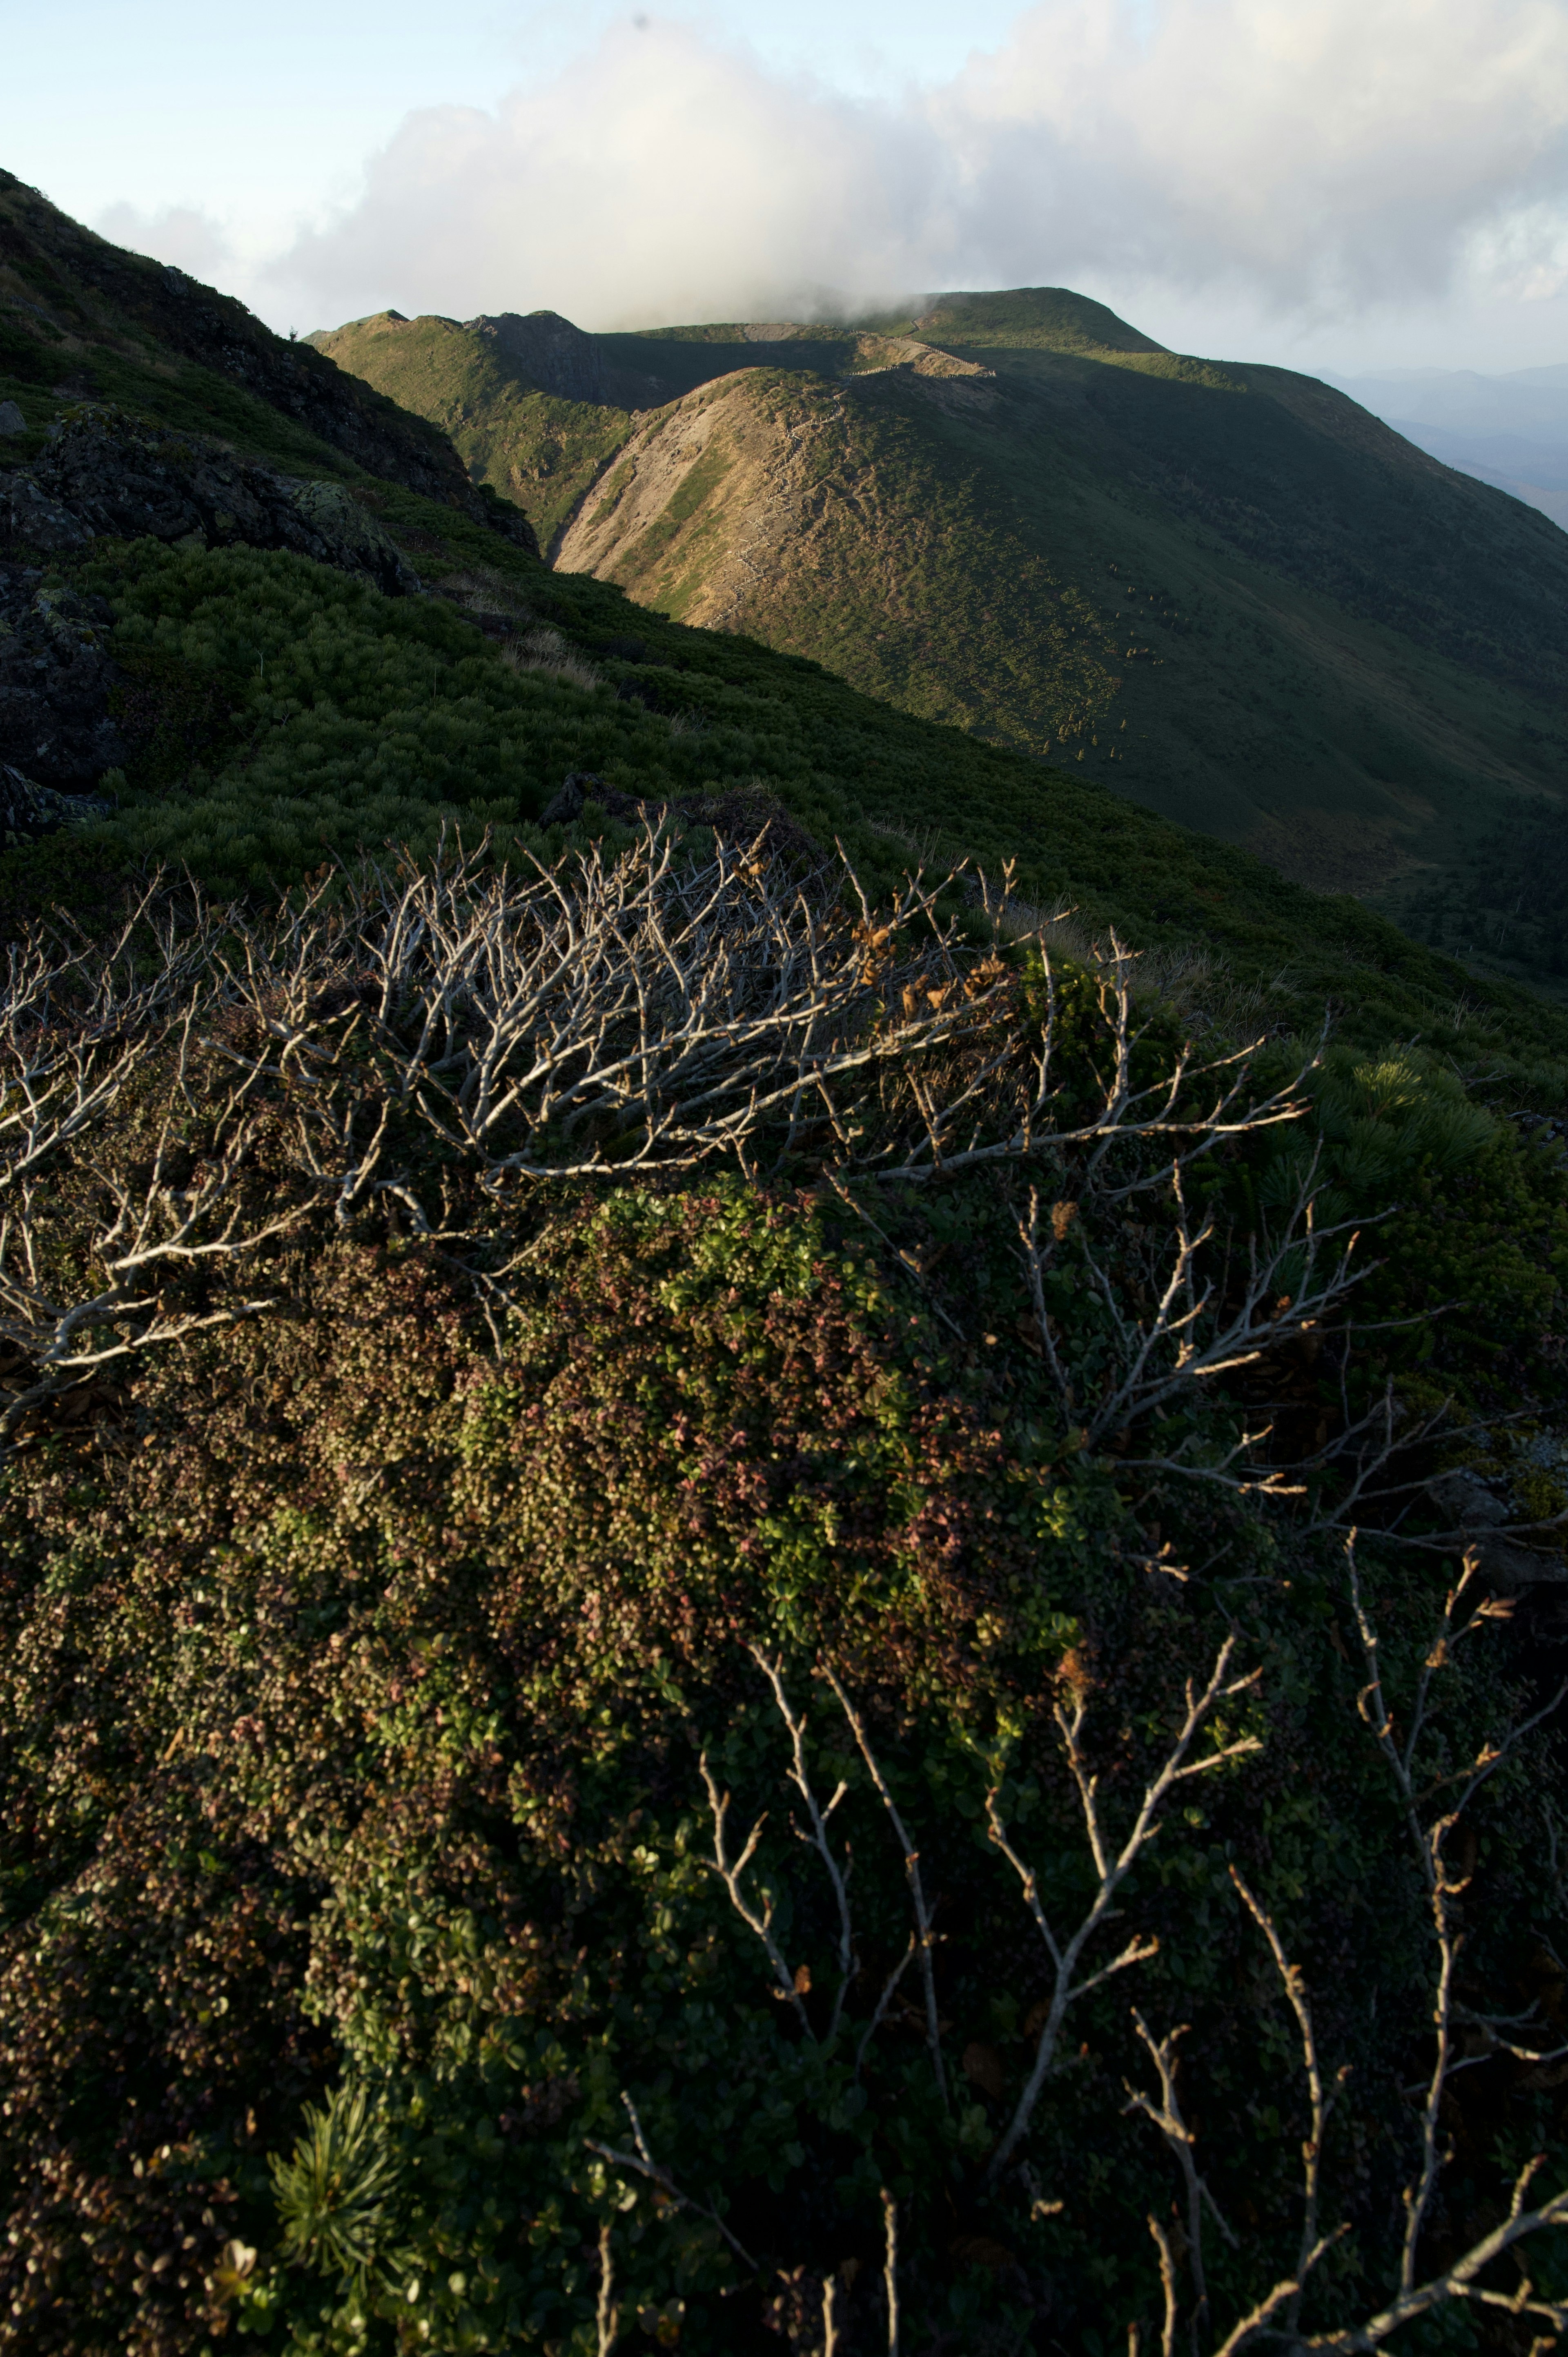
(746, 1599)
(1232, 593)
(82, 319)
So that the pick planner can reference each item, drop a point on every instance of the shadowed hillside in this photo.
(84, 320)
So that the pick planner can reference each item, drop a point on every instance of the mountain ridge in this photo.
(1339, 652)
(115, 325)
(222, 776)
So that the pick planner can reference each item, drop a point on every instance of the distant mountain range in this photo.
(1229, 592)
(1509, 430)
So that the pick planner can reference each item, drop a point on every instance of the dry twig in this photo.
(1112, 1865)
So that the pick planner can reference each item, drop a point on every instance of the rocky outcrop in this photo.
(105, 474)
(745, 815)
(109, 474)
(28, 809)
(1485, 1529)
(56, 676)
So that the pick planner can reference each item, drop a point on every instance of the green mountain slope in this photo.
(566, 1379)
(538, 447)
(84, 320)
(269, 709)
(1225, 591)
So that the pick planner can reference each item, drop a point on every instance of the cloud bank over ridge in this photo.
(1304, 156)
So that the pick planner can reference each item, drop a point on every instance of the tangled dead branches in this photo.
(1432, 1808)
(391, 1035)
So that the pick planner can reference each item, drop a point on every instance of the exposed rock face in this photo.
(29, 517)
(1483, 1531)
(548, 351)
(28, 809)
(56, 674)
(106, 473)
(11, 418)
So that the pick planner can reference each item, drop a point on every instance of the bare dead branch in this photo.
(1166, 2115)
(924, 1917)
(830, 2315)
(1167, 2285)
(1458, 2282)
(838, 1875)
(730, 1872)
(1200, 1322)
(889, 1988)
(1429, 1837)
(607, 2315)
(1321, 2102)
(1111, 1867)
(890, 2268)
(643, 2163)
(640, 1013)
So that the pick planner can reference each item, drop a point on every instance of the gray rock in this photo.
(566, 802)
(352, 538)
(30, 517)
(28, 809)
(56, 676)
(108, 473)
(1510, 1567)
(1464, 1497)
(11, 418)
(1501, 1560)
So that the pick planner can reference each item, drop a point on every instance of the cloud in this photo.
(1300, 155)
(182, 234)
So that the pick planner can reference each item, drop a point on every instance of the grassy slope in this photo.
(366, 731)
(535, 448)
(374, 719)
(532, 447)
(940, 535)
(1321, 642)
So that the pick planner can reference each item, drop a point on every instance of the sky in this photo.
(1341, 186)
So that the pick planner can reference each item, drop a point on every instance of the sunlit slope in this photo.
(535, 447)
(1225, 591)
(537, 409)
(1276, 644)
(831, 519)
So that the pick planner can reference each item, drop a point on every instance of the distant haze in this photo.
(1511, 430)
(1321, 182)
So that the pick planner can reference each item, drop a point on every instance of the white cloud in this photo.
(661, 177)
(183, 234)
(1309, 156)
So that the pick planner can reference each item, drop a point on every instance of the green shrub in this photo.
(363, 1664)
